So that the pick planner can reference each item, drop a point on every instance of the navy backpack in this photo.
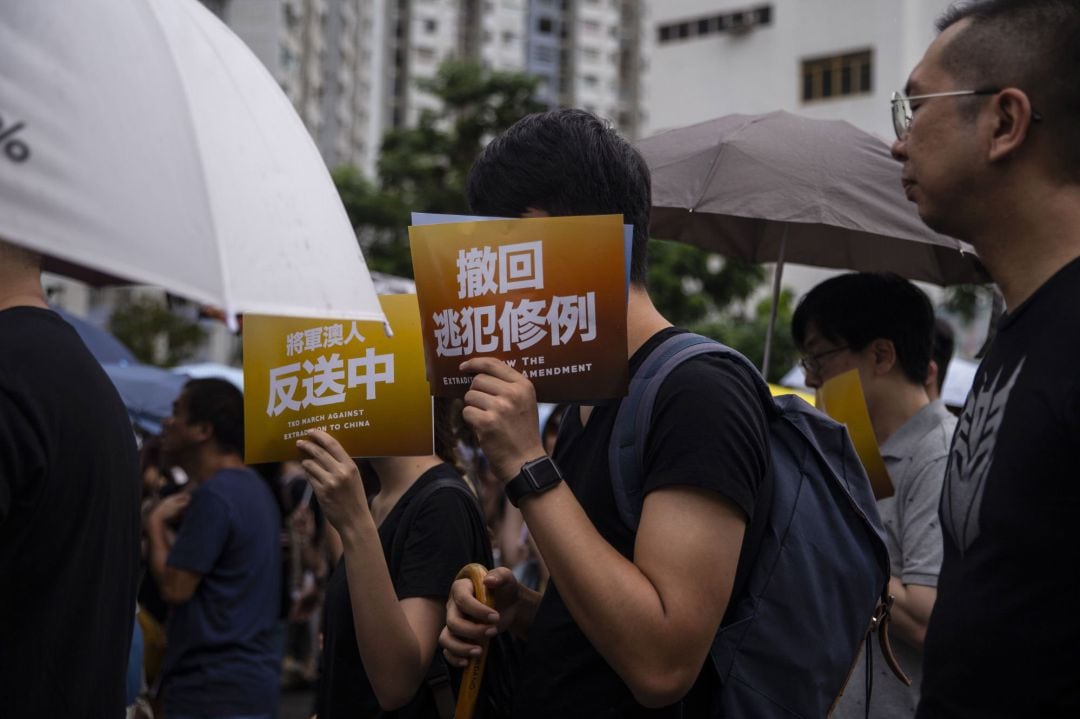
(791, 634)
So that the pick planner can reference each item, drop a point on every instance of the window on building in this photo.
(545, 26)
(508, 37)
(430, 26)
(838, 76)
(544, 53)
(425, 54)
(590, 53)
(590, 26)
(590, 80)
(739, 20)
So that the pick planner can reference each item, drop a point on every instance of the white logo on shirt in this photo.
(972, 455)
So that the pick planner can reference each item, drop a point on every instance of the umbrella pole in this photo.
(777, 275)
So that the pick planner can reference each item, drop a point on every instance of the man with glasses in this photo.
(982, 164)
(881, 326)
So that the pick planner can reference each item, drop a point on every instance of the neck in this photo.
(895, 408)
(209, 462)
(397, 474)
(643, 320)
(21, 287)
(1029, 239)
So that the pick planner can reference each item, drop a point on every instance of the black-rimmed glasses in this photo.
(812, 363)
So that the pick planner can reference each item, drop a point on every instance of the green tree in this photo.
(747, 332)
(424, 167)
(154, 334)
(690, 285)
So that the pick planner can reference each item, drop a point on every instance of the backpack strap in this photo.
(626, 451)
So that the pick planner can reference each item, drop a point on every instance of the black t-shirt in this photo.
(69, 524)
(446, 533)
(1004, 635)
(708, 430)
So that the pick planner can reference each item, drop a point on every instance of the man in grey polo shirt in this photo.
(882, 326)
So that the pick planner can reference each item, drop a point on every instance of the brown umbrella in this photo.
(784, 188)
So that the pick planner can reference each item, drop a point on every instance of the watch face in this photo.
(542, 473)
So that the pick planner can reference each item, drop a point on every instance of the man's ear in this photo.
(202, 430)
(1010, 122)
(884, 355)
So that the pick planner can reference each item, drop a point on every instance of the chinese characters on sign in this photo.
(326, 380)
(545, 295)
(351, 379)
(520, 325)
(318, 337)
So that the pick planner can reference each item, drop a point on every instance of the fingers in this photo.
(330, 445)
(490, 366)
(468, 623)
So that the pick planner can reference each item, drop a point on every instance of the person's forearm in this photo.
(388, 645)
(158, 550)
(910, 613)
(616, 605)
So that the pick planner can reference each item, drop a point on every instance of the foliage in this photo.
(707, 294)
(154, 334)
(747, 334)
(689, 284)
(964, 301)
(424, 167)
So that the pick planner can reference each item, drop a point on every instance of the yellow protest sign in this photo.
(349, 378)
(842, 399)
(546, 295)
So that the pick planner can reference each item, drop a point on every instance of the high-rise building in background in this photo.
(351, 67)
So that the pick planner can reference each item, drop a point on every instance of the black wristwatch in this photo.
(536, 477)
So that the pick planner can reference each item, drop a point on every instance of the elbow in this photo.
(394, 692)
(393, 698)
(661, 687)
(175, 595)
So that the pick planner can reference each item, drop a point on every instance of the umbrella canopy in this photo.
(103, 345)
(784, 188)
(143, 141)
(147, 391)
(738, 184)
(200, 370)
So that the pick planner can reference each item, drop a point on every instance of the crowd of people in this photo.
(349, 566)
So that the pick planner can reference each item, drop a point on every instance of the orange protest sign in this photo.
(546, 295)
(842, 399)
(349, 378)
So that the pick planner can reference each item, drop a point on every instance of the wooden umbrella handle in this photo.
(474, 672)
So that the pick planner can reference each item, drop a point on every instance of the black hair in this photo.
(220, 404)
(565, 162)
(1032, 45)
(943, 346)
(858, 308)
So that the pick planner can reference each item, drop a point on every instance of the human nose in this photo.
(899, 148)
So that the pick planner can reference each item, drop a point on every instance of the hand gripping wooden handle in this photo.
(474, 672)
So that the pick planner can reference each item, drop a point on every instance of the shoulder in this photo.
(451, 497)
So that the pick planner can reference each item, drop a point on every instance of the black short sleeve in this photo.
(709, 431)
(442, 539)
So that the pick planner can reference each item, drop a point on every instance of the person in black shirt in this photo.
(989, 138)
(625, 624)
(69, 513)
(385, 601)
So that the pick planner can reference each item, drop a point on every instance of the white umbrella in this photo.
(142, 141)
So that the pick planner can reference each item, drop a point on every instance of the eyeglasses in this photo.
(812, 363)
(901, 106)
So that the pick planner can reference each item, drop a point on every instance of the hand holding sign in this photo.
(500, 407)
(335, 480)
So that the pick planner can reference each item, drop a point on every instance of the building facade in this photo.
(820, 58)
